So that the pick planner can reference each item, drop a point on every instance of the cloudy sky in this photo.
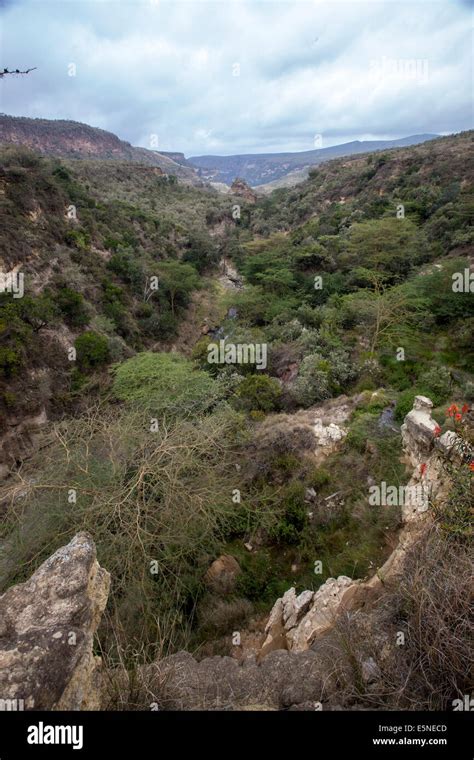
(241, 76)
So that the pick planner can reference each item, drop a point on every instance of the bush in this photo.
(438, 381)
(10, 361)
(294, 518)
(435, 384)
(312, 383)
(92, 350)
(72, 306)
(405, 402)
(165, 381)
(78, 238)
(220, 616)
(455, 515)
(318, 478)
(146, 498)
(256, 574)
(259, 393)
(125, 266)
(362, 429)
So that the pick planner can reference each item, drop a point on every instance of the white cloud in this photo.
(340, 69)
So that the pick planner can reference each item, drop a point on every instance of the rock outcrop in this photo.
(295, 622)
(281, 680)
(243, 190)
(418, 431)
(47, 626)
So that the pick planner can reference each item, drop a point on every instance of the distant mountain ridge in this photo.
(76, 140)
(258, 169)
(73, 139)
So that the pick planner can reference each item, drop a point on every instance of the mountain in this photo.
(259, 169)
(72, 139)
(75, 140)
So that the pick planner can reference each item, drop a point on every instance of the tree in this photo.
(178, 281)
(386, 245)
(201, 251)
(388, 312)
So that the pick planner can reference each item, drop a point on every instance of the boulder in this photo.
(47, 627)
(222, 574)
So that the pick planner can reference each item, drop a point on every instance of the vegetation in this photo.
(170, 460)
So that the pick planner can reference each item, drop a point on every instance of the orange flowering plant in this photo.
(465, 430)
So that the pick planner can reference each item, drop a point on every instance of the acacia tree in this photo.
(388, 313)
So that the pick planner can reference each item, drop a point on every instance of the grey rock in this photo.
(47, 626)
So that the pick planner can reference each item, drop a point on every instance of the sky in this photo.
(241, 76)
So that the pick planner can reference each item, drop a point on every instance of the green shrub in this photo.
(10, 361)
(124, 265)
(318, 478)
(455, 514)
(256, 574)
(405, 402)
(361, 430)
(72, 306)
(9, 399)
(79, 238)
(435, 384)
(165, 381)
(294, 518)
(438, 380)
(92, 350)
(259, 393)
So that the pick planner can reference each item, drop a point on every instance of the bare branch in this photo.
(16, 71)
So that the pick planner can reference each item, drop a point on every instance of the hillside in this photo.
(260, 169)
(71, 139)
(212, 387)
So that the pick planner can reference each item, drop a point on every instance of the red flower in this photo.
(423, 468)
(452, 409)
(437, 431)
(458, 417)
(471, 466)
(465, 408)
